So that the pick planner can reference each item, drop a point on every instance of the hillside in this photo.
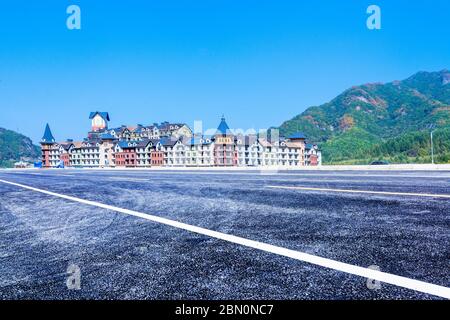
(15, 147)
(363, 122)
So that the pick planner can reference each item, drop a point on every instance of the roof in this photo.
(168, 141)
(92, 140)
(143, 143)
(223, 127)
(107, 136)
(119, 130)
(48, 136)
(66, 145)
(166, 126)
(126, 144)
(104, 115)
(78, 144)
(291, 144)
(297, 135)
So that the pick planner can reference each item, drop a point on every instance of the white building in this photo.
(199, 152)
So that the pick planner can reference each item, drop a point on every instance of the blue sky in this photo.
(257, 62)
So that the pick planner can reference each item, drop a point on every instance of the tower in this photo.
(99, 121)
(47, 143)
(225, 153)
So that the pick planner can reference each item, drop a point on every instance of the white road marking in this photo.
(400, 281)
(430, 195)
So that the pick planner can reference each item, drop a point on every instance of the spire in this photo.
(223, 127)
(48, 136)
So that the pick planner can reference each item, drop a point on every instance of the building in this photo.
(65, 150)
(173, 144)
(313, 156)
(144, 153)
(125, 154)
(21, 165)
(156, 155)
(224, 150)
(107, 150)
(87, 154)
(248, 149)
(199, 152)
(166, 146)
(175, 130)
(50, 149)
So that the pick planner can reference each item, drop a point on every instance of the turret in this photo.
(47, 142)
(99, 121)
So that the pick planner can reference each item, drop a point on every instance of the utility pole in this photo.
(432, 147)
(432, 127)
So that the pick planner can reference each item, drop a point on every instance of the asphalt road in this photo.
(127, 257)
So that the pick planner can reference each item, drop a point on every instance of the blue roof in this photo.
(297, 135)
(125, 144)
(223, 127)
(104, 115)
(48, 136)
(107, 136)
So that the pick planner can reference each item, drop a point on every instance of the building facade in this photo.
(174, 145)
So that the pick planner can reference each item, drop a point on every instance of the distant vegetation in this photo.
(382, 122)
(15, 147)
(412, 147)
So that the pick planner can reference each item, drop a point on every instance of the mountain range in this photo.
(390, 121)
(374, 121)
(15, 147)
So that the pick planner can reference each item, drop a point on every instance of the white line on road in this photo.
(400, 281)
(430, 195)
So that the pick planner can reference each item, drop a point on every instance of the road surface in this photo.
(397, 222)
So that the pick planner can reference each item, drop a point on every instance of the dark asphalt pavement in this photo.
(125, 257)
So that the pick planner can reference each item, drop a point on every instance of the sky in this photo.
(258, 63)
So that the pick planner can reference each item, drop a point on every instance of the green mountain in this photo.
(382, 121)
(15, 147)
